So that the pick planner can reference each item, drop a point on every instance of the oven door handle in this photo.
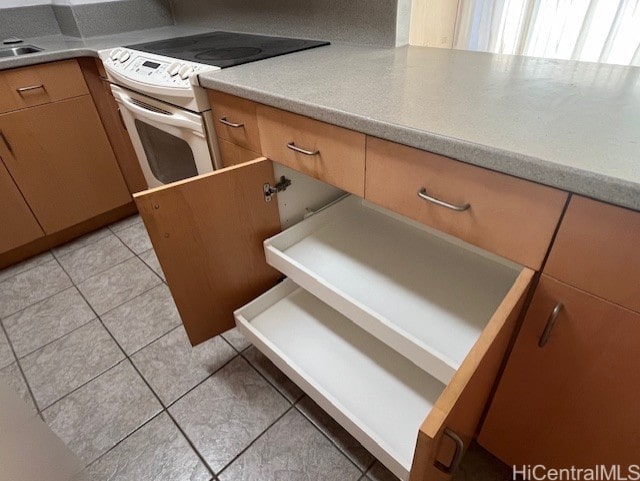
(176, 119)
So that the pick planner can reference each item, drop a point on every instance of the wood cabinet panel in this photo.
(207, 232)
(231, 154)
(109, 111)
(462, 404)
(60, 158)
(511, 217)
(238, 111)
(573, 401)
(597, 250)
(40, 84)
(338, 157)
(19, 226)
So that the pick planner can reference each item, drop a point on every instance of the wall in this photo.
(88, 18)
(433, 23)
(365, 22)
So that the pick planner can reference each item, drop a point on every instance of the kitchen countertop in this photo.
(571, 125)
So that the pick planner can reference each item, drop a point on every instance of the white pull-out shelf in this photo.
(424, 294)
(378, 395)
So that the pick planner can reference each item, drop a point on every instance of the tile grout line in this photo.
(75, 283)
(24, 378)
(333, 443)
(193, 447)
(79, 247)
(128, 358)
(237, 456)
(5, 316)
(146, 382)
(126, 437)
(57, 338)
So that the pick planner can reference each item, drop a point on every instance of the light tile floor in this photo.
(92, 341)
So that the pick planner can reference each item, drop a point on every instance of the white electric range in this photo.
(163, 107)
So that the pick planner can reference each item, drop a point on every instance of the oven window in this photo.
(170, 158)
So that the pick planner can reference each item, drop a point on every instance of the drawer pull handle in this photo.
(544, 338)
(32, 87)
(6, 142)
(422, 193)
(293, 147)
(224, 121)
(457, 455)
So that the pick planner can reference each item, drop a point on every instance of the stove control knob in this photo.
(174, 68)
(115, 54)
(124, 56)
(185, 71)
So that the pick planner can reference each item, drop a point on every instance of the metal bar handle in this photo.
(223, 120)
(457, 455)
(293, 147)
(32, 87)
(422, 193)
(544, 338)
(6, 142)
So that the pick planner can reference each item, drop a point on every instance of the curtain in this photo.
(605, 31)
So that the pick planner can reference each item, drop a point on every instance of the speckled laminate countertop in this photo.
(571, 125)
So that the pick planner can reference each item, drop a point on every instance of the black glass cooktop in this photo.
(226, 49)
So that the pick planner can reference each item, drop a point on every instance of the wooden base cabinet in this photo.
(60, 158)
(573, 400)
(19, 226)
(395, 329)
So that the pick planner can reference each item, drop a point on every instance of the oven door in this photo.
(171, 143)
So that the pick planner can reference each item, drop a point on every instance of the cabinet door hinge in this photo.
(271, 190)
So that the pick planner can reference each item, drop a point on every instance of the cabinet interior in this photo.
(423, 294)
(378, 314)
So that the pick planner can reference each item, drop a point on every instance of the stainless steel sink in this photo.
(17, 51)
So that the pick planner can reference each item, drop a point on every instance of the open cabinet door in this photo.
(207, 232)
(454, 420)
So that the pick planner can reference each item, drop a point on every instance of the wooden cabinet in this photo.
(596, 250)
(323, 151)
(61, 160)
(232, 154)
(511, 217)
(19, 226)
(330, 314)
(573, 401)
(40, 84)
(235, 120)
(107, 107)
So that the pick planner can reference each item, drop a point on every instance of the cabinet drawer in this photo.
(407, 316)
(235, 120)
(511, 217)
(591, 227)
(326, 152)
(40, 84)
(574, 401)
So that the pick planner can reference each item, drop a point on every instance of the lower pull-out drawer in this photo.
(404, 363)
(376, 393)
